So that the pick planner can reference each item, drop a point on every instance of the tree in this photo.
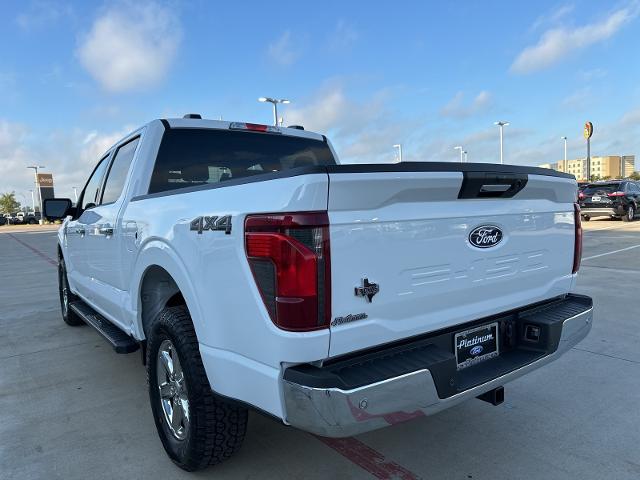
(8, 203)
(635, 176)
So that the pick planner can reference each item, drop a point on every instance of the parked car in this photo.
(254, 270)
(3, 220)
(618, 198)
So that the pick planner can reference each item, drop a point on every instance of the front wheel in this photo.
(197, 427)
(586, 218)
(630, 215)
(66, 297)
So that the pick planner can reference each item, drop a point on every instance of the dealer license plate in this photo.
(476, 345)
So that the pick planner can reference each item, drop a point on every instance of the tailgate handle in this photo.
(494, 188)
(491, 184)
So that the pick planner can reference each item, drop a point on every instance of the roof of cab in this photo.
(224, 125)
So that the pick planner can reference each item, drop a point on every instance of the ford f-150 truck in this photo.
(253, 270)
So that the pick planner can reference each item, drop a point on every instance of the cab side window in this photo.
(118, 171)
(92, 188)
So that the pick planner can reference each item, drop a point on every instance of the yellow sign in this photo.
(588, 130)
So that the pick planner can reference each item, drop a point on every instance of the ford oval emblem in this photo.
(485, 236)
(477, 350)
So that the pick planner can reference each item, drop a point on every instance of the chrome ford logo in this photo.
(485, 236)
(477, 350)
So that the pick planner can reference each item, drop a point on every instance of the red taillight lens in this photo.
(580, 195)
(577, 248)
(616, 194)
(289, 257)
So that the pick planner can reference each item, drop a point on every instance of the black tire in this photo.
(586, 218)
(629, 215)
(32, 221)
(68, 315)
(216, 427)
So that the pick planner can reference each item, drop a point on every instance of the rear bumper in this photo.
(317, 401)
(601, 212)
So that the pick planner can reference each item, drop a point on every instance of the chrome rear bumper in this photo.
(334, 412)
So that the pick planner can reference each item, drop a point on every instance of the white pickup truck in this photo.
(255, 271)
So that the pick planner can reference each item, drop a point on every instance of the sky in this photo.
(77, 76)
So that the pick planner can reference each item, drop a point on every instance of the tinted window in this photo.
(189, 157)
(633, 187)
(602, 188)
(91, 190)
(118, 171)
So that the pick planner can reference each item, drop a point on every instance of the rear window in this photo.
(191, 157)
(603, 189)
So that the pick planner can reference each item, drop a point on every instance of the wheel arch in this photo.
(162, 281)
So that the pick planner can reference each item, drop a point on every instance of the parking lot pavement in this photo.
(71, 408)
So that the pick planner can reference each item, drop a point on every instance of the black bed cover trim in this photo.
(465, 168)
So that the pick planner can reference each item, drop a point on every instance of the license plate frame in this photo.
(466, 341)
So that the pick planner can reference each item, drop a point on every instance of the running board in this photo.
(120, 341)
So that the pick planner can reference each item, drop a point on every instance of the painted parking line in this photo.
(611, 227)
(369, 459)
(42, 255)
(610, 253)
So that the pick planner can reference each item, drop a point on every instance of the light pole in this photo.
(465, 156)
(459, 147)
(399, 147)
(35, 170)
(565, 149)
(501, 124)
(75, 193)
(33, 202)
(274, 102)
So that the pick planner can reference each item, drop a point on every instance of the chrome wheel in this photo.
(631, 213)
(173, 390)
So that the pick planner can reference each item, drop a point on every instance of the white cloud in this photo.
(552, 18)
(283, 51)
(362, 132)
(69, 155)
(131, 47)
(558, 43)
(457, 107)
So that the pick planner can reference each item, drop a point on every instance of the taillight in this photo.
(580, 195)
(616, 194)
(254, 127)
(577, 247)
(289, 258)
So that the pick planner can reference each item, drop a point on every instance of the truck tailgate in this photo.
(408, 230)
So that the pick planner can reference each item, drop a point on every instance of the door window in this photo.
(92, 188)
(118, 171)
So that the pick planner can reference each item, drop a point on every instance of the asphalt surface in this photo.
(70, 408)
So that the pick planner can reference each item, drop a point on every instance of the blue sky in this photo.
(74, 77)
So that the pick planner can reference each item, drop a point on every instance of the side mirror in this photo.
(57, 208)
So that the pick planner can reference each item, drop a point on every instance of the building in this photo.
(604, 167)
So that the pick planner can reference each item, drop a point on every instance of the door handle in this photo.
(106, 230)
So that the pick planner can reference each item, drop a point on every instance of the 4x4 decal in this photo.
(200, 224)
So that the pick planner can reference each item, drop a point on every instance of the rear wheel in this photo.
(586, 218)
(630, 215)
(66, 297)
(197, 427)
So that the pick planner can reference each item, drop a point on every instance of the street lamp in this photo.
(35, 170)
(501, 124)
(274, 102)
(459, 147)
(465, 156)
(565, 150)
(399, 147)
(33, 202)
